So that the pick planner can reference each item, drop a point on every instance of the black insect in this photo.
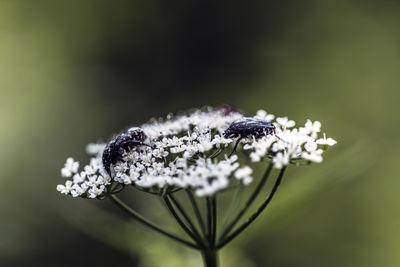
(248, 127)
(124, 142)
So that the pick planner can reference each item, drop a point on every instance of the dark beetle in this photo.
(249, 127)
(124, 142)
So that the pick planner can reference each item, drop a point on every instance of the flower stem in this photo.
(234, 206)
(196, 211)
(214, 220)
(257, 213)
(180, 222)
(210, 258)
(186, 217)
(248, 203)
(122, 205)
(209, 221)
(215, 154)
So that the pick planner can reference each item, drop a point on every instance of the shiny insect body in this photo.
(124, 142)
(248, 127)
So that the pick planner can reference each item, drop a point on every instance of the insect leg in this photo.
(119, 158)
(234, 148)
(280, 138)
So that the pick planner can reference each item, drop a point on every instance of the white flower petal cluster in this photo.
(244, 174)
(190, 151)
(326, 141)
(70, 167)
(289, 145)
(91, 181)
(203, 120)
(263, 115)
(284, 122)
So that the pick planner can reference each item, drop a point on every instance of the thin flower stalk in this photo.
(257, 213)
(248, 203)
(181, 222)
(196, 211)
(186, 217)
(122, 205)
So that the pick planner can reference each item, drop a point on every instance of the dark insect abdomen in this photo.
(247, 127)
(124, 142)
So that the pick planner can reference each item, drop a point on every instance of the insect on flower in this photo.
(248, 127)
(124, 142)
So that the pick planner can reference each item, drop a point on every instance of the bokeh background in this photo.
(74, 72)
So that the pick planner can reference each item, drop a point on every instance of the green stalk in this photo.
(180, 222)
(210, 258)
(256, 214)
(209, 221)
(235, 205)
(214, 220)
(186, 217)
(248, 203)
(122, 205)
(196, 211)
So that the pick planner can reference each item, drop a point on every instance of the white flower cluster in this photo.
(190, 151)
(290, 144)
(92, 181)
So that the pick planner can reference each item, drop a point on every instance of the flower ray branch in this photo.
(257, 213)
(186, 217)
(196, 211)
(214, 220)
(248, 203)
(180, 221)
(122, 205)
(209, 221)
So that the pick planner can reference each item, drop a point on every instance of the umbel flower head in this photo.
(199, 153)
(190, 151)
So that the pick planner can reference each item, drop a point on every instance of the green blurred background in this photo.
(73, 72)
